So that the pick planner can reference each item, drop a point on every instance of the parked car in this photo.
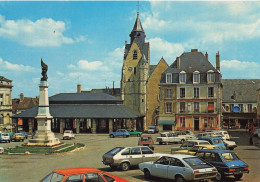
(170, 137)
(146, 140)
(5, 137)
(24, 133)
(68, 134)
(78, 174)
(1, 150)
(189, 144)
(214, 141)
(196, 148)
(124, 157)
(18, 137)
(179, 167)
(189, 135)
(119, 132)
(226, 161)
(230, 144)
(134, 132)
(153, 129)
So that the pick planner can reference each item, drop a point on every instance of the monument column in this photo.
(45, 136)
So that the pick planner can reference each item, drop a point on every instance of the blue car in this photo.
(214, 141)
(226, 161)
(25, 134)
(119, 132)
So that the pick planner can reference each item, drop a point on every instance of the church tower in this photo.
(135, 70)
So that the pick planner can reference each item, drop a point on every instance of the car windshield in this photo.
(204, 143)
(229, 156)
(196, 163)
(5, 134)
(114, 151)
(53, 177)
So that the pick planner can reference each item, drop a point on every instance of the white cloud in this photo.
(239, 69)
(86, 65)
(162, 48)
(5, 65)
(41, 33)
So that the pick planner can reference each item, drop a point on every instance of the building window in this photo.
(196, 107)
(210, 107)
(182, 122)
(142, 100)
(182, 107)
(231, 107)
(135, 54)
(210, 76)
(1, 95)
(241, 107)
(182, 77)
(168, 107)
(205, 124)
(134, 70)
(211, 92)
(1, 103)
(196, 77)
(168, 78)
(196, 92)
(168, 93)
(249, 107)
(1, 119)
(182, 92)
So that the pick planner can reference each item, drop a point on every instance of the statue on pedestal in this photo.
(44, 71)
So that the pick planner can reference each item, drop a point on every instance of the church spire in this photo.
(138, 31)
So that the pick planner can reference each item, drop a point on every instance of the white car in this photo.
(68, 134)
(170, 137)
(179, 167)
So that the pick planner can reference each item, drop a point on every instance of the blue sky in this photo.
(83, 42)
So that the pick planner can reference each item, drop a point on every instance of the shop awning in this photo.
(166, 122)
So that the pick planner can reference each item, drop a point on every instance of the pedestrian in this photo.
(251, 131)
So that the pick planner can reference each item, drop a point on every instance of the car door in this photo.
(176, 166)
(160, 167)
(135, 156)
(148, 155)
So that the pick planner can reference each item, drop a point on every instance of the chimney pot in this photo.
(178, 62)
(194, 50)
(217, 62)
(207, 56)
(21, 97)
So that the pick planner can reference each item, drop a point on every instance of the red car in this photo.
(82, 174)
(146, 140)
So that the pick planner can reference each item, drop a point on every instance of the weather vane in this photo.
(138, 7)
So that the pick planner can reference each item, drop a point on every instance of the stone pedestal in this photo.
(44, 137)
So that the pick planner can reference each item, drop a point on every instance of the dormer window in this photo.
(182, 77)
(135, 54)
(196, 77)
(211, 76)
(168, 78)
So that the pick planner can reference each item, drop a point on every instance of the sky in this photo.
(83, 42)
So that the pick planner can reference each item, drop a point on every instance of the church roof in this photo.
(138, 26)
(2, 78)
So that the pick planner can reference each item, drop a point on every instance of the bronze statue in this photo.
(44, 71)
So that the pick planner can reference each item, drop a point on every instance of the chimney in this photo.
(207, 56)
(194, 50)
(79, 88)
(217, 62)
(113, 90)
(178, 62)
(21, 97)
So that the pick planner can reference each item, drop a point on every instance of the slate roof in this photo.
(82, 97)
(2, 78)
(152, 68)
(245, 90)
(143, 48)
(112, 111)
(138, 26)
(190, 62)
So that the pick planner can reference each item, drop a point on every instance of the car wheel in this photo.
(160, 143)
(238, 176)
(111, 136)
(179, 179)
(182, 141)
(9, 141)
(147, 174)
(125, 166)
(219, 176)
(138, 135)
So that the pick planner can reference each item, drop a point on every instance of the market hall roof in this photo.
(91, 111)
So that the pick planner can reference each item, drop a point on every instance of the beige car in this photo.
(124, 157)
